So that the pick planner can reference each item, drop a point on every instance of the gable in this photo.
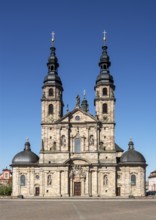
(78, 116)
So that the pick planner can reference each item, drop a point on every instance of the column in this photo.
(33, 182)
(90, 183)
(59, 137)
(59, 174)
(29, 181)
(87, 183)
(87, 144)
(97, 182)
(97, 138)
(71, 186)
(68, 138)
(67, 183)
(94, 182)
(72, 145)
(18, 181)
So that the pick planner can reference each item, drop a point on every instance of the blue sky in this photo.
(25, 40)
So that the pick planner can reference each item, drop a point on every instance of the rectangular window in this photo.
(77, 145)
(6, 175)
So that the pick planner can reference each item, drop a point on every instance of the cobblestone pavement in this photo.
(77, 209)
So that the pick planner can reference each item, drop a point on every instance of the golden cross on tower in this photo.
(104, 36)
(53, 38)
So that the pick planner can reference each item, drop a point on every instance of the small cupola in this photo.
(84, 104)
(26, 156)
(131, 156)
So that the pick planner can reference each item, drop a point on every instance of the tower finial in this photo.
(53, 38)
(67, 109)
(104, 37)
(84, 94)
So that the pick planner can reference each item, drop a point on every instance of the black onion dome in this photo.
(105, 78)
(52, 78)
(26, 156)
(132, 156)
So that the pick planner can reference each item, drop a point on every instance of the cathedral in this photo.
(78, 155)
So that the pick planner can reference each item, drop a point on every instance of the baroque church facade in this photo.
(78, 155)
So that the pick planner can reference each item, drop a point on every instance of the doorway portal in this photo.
(77, 188)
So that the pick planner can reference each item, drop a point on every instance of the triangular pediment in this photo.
(77, 116)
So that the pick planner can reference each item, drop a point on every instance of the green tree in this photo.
(5, 190)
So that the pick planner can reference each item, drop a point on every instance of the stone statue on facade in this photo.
(49, 180)
(91, 140)
(77, 171)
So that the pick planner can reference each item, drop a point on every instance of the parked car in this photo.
(151, 193)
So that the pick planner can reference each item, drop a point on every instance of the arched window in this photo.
(105, 180)
(133, 180)
(22, 180)
(52, 67)
(104, 108)
(77, 145)
(50, 92)
(50, 110)
(104, 91)
(104, 66)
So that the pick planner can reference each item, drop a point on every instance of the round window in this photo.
(37, 177)
(77, 117)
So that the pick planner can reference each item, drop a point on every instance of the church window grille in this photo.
(105, 180)
(104, 108)
(50, 92)
(22, 180)
(104, 91)
(50, 110)
(133, 180)
(77, 145)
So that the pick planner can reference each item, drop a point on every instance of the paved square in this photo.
(77, 209)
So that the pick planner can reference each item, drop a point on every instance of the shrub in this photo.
(5, 190)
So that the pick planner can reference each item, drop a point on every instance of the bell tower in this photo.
(105, 101)
(104, 89)
(52, 104)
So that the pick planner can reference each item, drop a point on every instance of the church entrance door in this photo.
(77, 189)
(118, 191)
(37, 191)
